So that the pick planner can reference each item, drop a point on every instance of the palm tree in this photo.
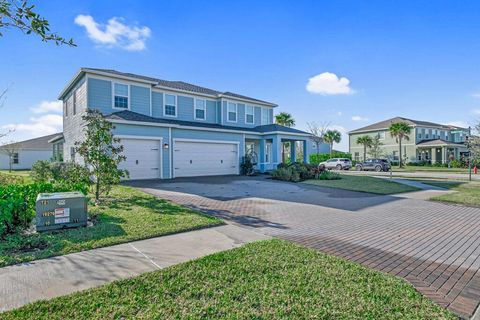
(400, 131)
(284, 119)
(330, 137)
(367, 142)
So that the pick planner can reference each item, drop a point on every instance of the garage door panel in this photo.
(143, 158)
(205, 158)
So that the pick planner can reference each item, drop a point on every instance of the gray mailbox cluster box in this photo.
(61, 210)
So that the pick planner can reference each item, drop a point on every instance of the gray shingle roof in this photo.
(133, 116)
(386, 124)
(178, 85)
(40, 143)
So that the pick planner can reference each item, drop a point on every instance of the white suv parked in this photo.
(337, 163)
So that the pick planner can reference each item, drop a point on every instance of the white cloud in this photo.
(328, 83)
(476, 111)
(48, 106)
(359, 118)
(339, 113)
(475, 95)
(38, 126)
(461, 124)
(115, 33)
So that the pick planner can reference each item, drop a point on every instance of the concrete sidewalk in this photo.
(57, 276)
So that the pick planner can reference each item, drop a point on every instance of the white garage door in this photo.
(143, 158)
(191, 159)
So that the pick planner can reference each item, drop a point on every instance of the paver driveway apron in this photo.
(435, 246)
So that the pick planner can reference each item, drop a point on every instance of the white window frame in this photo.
(267, 118)
(127, 96)
(268, 152)
(380, 133)
(228, 112)
(252, 114)
(195, 108)
(165, 105)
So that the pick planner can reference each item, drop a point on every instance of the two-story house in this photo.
(428, 142)
(175, 129)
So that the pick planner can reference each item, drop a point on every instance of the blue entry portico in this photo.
(172, 128)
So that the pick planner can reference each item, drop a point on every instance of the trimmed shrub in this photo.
(65, 173)
(315, 159)
(329, 175)
(6, 179)
(41, 171)
(296, 171)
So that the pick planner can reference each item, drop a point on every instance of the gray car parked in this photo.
(374, 165)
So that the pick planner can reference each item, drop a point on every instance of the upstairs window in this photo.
(249, 114)
(120, 96)
(170, 105)
(75, 102)
(200, 109)
(265, 116)
(381, 135)
(232, 112)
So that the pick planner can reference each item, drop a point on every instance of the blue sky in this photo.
(417, 59)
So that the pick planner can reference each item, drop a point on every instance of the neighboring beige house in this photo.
(428, 142)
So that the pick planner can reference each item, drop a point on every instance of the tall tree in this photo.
(366, 141)
(317, 132)
(285, 119)
(331, 137)
(21, 15)
(101, 152)
(400, 131)
(473, 145)
(376, 150)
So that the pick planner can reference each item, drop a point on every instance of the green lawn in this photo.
(429, 169)
(128, 215)
(468, 193)
(271, 279)
(363, 184)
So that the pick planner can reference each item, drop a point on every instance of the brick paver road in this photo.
(434, 246)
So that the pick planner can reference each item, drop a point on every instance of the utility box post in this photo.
(61, 210)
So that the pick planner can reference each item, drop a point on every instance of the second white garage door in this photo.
(143, 158)
(201, 158)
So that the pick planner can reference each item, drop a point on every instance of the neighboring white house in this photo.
(24, 153)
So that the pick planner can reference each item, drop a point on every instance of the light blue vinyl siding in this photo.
(258, 116)
(157, 104)
(211, 112)
(138, 130)
(184, 108)
(140, 99)
(241, 115)
(99, 95)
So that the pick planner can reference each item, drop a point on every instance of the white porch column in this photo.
(434, 155)
(261, 155)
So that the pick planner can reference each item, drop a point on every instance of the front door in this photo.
(438, 154)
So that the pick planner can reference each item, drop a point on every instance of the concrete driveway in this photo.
(434, 246)
(418, 174)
